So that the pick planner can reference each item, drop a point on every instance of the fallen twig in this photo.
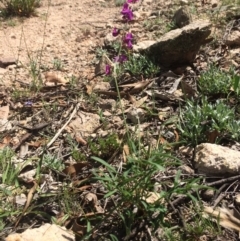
(63, 127)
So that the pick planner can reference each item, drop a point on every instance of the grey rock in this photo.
(179, 46)
(6, 61)
(182, 17)
(212, 159)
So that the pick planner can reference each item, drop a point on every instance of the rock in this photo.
(208, 194)
(2, 71)
(107, 104)
(85, 123)
(6, 61)
(184, 2)
(237, 200)
(212, 159)
(136, 115)
(233, 12)
(214, 3)
(54, 78)
(179, 46)
(100, 67)
(143, 45)
(110, 39)
(46, 232)
(182, 17)
(233, 39)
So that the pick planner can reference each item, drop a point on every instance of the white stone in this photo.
(136, 115)
(47, 232)
(218, 160)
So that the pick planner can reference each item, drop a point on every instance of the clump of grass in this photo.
(139, 65)
(119, 2)
(215, 81)
(23, 8)
(133, 184)
(198, 120)
(104, 147)
(57, 64)
(52, 162)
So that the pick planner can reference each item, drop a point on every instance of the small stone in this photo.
(107, 104)
(78, 39)
(136, 115)
(46, 232)
(233, 39)
(6, 61)
(208, 194)
(182, 17)
(12, 67)
(237, 200)
(214, 3)
(186, 169)
(184, 2)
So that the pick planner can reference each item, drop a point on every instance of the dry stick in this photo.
(29, 199)
(222, 181)
(218, 195)
(59, 132)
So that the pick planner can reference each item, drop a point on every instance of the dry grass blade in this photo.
(29, 199)
(226, 219)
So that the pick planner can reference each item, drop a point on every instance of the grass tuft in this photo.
(22, 8)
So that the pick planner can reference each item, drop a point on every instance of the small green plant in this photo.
(215, 81)
(140, 65)
(24, 8)
(52, 162)
(119, 2)
(57, 64)
(197, 120)
(134, 184)
(35, 74)
(104, 147)
(7, 169)
(236, 84)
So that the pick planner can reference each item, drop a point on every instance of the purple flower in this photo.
(127, 12)
(129, 45)
(115, 32)
(120, 59)
(128, 40)
(28, 103)
(132, 1)
(128, 37)
(108, 69)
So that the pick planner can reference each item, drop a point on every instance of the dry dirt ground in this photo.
(68, 31)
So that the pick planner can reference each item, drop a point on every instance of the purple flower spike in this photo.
(132, 1)
(120, 59)
(127, 12)
(128, 37)
(125, 7)
(115, 32)
(129, 45)
(128, 40)
(108, 69)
